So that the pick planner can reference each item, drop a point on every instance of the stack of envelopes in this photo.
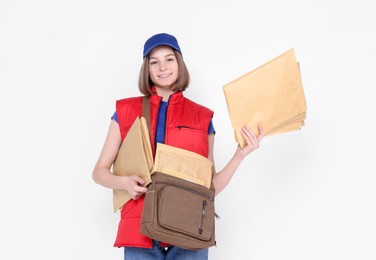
(270, 96)
(135, 158)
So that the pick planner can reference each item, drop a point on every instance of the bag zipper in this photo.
(203, 213)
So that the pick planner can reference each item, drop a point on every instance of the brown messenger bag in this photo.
(179, 212)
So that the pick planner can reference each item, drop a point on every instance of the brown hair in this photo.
(145, 84)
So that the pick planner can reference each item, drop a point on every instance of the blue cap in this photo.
(161, 39)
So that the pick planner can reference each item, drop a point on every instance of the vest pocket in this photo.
(189, 138)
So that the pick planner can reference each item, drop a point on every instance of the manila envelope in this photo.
(270, 96)
(134, 158)
(183, 164)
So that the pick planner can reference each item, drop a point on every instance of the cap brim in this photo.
(159, 44)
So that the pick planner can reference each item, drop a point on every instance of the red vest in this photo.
(187, 125)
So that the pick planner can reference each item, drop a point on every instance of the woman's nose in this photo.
(162, 66)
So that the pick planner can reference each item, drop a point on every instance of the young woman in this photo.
(163, 77)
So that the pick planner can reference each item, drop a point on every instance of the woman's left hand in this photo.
(252, 140)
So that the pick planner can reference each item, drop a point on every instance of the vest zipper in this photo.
(187, 127)
(166, 121)
(183, 126)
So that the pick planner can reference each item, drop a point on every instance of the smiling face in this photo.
(163, 67)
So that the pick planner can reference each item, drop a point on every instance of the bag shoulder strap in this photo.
(146, 111)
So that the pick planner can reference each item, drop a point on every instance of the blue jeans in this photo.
(161, 253)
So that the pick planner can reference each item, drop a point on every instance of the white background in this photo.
(308, 194)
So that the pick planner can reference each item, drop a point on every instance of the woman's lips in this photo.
(164, 75)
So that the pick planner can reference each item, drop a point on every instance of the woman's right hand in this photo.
(133, 185)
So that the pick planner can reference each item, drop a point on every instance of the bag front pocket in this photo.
(186, 211)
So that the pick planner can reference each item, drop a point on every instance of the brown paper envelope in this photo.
(292, 125)
(268, 96)
(134, 158)
(183, 176)
(183, 164)
(287, 128)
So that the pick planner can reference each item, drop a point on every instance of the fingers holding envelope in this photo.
(134, 187)
(252, 140)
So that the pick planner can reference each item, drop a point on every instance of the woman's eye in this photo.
(170, 59)
(153, 62)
